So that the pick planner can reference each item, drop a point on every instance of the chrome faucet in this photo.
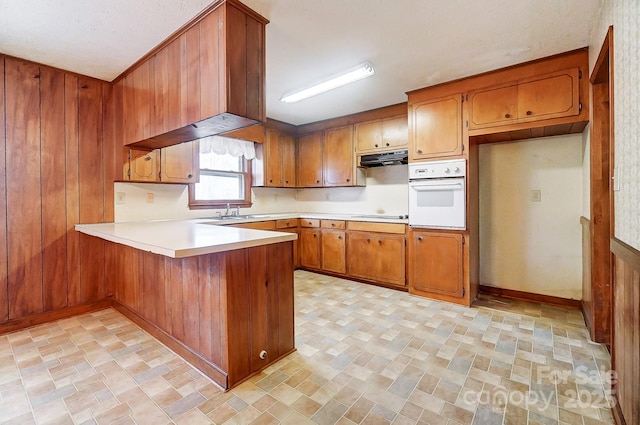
(227, 212)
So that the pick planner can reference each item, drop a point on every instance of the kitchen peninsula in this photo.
(219, 296)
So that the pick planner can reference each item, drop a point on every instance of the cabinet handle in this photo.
(376, 145)
(419, 150)
(420, 238)
(314, 235)
(333, 224)
(529, 112)
(507, 115)
(339, 237)
(147, 158)
(368, 240)
(189, 176)
(379, 242)
(270, 181)
(286, 181)
(348, 180)
(263, 354)
(387, 144)
(317, 181)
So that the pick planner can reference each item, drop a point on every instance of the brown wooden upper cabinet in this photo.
(208, 80)
(381, 135)
(173, 164)
(275, 163)
(143, 165)
(552, 95)
(435, 127)
(309, 164)
(338, 163)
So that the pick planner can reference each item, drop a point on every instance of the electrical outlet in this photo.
(150, 198)
(120, 198)
(536, 196)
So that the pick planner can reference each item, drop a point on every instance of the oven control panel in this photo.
(438, 169)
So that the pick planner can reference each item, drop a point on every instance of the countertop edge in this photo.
(276, 237)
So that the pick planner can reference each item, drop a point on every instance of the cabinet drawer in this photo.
(309, 222)
(364, 226)
(333, 224)
(286, 223)
(257, 225)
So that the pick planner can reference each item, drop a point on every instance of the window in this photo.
(224, 179)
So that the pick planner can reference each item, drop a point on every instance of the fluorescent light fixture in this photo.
(354, 74)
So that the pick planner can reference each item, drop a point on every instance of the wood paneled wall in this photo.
(218, 311)
(587, 299)
(57, 165)
(626, 331)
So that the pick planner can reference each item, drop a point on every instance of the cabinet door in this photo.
(361, 253)
(288, 160)
(494, 106)
(143, 165)
(436, 128)
(337, 157)
(273, 158)
(436, 263)
(549, 96)
(333, 251)
(180, 163)
(390, 259)
(395, 133)
(310, 248)
(377, 257)
(368, 136)
(310, 160)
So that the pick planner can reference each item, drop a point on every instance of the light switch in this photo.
(150, 198)
(536, 196)
(120, 198)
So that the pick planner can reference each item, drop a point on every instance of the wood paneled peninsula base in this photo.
(229, 312)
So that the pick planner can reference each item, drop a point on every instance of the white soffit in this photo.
(411, 43)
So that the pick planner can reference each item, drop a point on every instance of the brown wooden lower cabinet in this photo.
(230, 313)
(377, 256)
(310, 248)
(333, 251)
(436, 265)
(373, 252)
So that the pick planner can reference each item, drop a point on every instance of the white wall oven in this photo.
(437, 196)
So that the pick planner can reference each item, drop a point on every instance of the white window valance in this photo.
(227, 145)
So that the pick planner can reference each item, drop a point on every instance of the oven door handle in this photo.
(432, 187)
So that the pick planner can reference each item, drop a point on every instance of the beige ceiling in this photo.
(411, 43)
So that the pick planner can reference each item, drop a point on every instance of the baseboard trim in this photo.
(51, 316)
(205, 366)
(528, 296)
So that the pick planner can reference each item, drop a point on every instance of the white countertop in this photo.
(182, 238)
(198, 236)
(377, 218)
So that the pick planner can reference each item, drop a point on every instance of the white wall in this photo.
(386, 193)
(172, 201)
(624, 15)
(532, 246)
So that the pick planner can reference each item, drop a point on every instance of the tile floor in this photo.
(366, 355)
